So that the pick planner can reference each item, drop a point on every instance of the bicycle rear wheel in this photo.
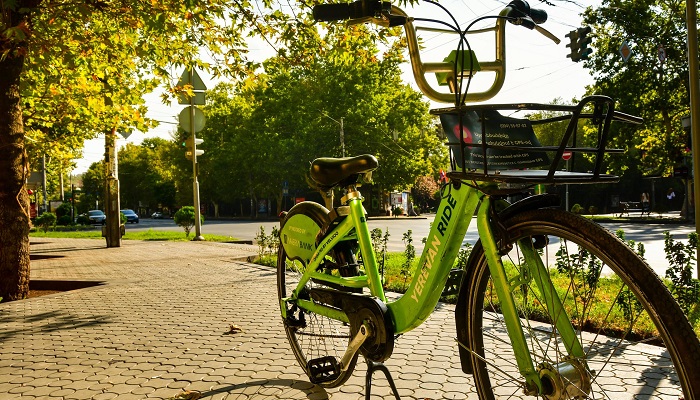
(315, 338)
(636, 340)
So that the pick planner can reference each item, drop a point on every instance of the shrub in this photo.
(268, 245)
(83, 220)
(593, 210)
(681, 259)
(577, 209)
(409, 254)
(379, 243)
(64, 220)
(46, 221)
(63, 210)
(398, 210)
(184, 217)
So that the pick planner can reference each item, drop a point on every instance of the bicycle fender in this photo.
(299, 230)
(546, 200)
(529, 203)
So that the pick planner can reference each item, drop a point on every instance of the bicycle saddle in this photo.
(329, 172)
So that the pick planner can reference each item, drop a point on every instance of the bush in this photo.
(577, 209)
(593, 210)
(681, 259)
(184, 217)
(63, 210)
(83, 220)
(64, 220)
(398, 210)
(46, 221)
(268, 245)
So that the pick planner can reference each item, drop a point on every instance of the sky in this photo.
(537, 68)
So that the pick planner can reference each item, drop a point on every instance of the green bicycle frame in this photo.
(458, 204)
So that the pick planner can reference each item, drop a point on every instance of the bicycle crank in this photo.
(326, 369)
(570, 379)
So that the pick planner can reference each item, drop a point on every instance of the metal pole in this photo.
(342, 137)
(691, 16)
(43, 181)
(195, 182)
(61, 184)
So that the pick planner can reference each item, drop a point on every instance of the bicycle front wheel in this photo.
(637, 342)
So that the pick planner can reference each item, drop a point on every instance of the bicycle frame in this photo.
(458, 204)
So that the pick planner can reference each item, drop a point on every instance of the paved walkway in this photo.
(186, 320)
(161, 324)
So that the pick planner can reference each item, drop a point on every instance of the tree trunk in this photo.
(14, 170)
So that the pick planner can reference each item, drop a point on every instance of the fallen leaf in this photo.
(233, 329)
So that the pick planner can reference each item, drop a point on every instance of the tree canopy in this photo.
(267, 129)
(73, 69)
(643, 85)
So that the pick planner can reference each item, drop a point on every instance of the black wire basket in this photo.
(487, 146)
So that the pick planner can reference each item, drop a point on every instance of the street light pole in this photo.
(195, 170)
(342, 132)
(691, 17)
(342, 138)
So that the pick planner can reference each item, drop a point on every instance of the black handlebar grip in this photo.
(331, 12)
(521, 9)
(539, 16)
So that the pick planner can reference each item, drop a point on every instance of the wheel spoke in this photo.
(598, 280)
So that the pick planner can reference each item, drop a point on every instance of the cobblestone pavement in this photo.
(160, 324)
(171, 317)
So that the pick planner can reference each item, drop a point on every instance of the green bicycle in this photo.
(535, 315)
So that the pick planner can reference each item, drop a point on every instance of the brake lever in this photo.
(387, 20)
(358, 21)
(527, 22)
(547, 34)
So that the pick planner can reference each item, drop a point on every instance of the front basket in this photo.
(486, 145)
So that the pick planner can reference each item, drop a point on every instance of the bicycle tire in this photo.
(319, 336)
(623, 367)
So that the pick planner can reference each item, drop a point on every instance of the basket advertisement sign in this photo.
(500, 131)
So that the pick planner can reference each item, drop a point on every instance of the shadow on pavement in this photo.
(265, 388)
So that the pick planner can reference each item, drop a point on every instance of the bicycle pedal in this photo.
(324, 369)
(453, 282)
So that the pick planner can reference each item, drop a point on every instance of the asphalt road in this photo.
(651, 235)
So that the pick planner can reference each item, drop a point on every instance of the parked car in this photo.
(131, 216)
(157, 215)
(97, 217)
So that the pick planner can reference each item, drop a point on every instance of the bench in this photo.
(626, 207)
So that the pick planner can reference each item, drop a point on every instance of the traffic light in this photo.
(192, 147)
(583, 42)
(579, 42)
(575, 55)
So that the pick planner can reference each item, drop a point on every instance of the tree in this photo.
(146, 174)
(267, 130)
(424, 190)
(93, 188)
(645, 86)
(185, 218)
(75, 68)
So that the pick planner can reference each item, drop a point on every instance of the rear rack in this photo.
(490, 147)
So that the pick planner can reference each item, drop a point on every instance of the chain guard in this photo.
(359, 309)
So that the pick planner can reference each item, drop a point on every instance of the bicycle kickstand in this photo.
(377, 366)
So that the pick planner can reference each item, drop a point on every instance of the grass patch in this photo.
(597, 313)
(138, 235)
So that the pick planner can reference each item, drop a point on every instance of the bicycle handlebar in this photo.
(384, 14)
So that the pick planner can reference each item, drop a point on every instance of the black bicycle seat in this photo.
(329, 172)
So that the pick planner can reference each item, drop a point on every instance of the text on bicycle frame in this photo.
(445, 217)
